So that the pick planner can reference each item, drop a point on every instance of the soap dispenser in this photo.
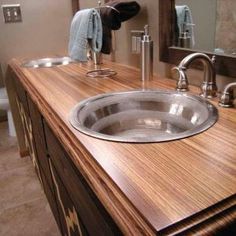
(184, 38)
(146, 55)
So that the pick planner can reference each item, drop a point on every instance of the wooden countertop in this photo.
(147, 188)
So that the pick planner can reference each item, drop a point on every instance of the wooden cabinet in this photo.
(76, 208)
(94, 216)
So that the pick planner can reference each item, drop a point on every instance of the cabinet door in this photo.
(93, 214)
(43, 158)
(71, 223)
(52, 201)
(28, 135)
(40, 142)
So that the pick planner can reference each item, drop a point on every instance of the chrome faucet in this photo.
(208, 87)
(227, 97)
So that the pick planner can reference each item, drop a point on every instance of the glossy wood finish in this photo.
(147, 188)
(225, 65)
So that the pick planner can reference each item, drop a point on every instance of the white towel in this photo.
(86, 30)
(185, 21)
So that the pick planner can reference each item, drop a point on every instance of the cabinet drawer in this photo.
(93, 214)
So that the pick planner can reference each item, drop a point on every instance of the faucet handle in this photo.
(182, 82)
(213, 59)
(226, 100)
(227, 97)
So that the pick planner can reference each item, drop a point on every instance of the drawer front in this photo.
(39, 137)
(93, 214)
(70, 221)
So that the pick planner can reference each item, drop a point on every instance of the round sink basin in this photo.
(48, 62)
(143, 116)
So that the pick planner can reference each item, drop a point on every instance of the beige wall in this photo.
(44, 30)
(45, 27)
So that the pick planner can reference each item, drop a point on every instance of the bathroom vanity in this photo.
(98, 187)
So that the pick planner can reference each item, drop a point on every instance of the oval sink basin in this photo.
(143, 116)
(48, 62)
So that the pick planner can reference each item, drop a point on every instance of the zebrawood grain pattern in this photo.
(146, 188)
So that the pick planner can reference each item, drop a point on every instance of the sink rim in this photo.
(42, 62)
(212, 118)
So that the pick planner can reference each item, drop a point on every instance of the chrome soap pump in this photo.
(146, 55)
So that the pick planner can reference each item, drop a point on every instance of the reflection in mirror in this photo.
(206, 25)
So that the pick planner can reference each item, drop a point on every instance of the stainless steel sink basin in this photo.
(143, 116)
(48, 62)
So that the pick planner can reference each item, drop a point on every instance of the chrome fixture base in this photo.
(143, 116)
(101, 73)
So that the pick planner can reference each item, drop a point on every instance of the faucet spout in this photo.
(208, 87)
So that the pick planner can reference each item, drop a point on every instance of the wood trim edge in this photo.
(75, 6)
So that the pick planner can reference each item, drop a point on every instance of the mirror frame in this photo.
(75, 6)
(225, 65)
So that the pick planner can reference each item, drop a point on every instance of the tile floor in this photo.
(24, 209)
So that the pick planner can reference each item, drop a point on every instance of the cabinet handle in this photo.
(72, 220)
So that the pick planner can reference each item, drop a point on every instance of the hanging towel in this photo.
(111, 19)
(86, 30)
(185, 21)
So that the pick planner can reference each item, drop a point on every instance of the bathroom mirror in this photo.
(207, 28)
(174, 47)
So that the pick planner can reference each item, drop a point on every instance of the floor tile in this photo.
(30, 219)
(9, 159)
(18, 186)
(5, 139)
